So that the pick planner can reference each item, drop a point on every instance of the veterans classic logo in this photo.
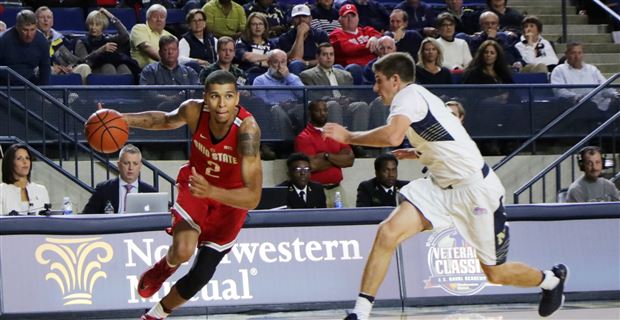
(453, 264)
(75, 265)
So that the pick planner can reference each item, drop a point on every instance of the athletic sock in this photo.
(157, 311)
(363, 305)
(549, 281)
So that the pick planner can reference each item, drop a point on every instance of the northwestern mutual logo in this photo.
(75, 264)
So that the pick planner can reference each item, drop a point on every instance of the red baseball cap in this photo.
(347, 8)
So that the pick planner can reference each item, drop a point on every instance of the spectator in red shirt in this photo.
(327, 157)
(354, 46)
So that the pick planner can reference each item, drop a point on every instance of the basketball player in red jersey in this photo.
(222, 181)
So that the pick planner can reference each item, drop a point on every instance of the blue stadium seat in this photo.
(126, 15)
(541, 77)
(97, 79)
(67, 20)
(9, 13)
(72, 79)
(173, 16)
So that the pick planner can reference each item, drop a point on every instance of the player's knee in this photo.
(182, 253)
(387, 236)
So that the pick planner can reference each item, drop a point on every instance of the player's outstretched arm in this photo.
(248, 196)
(159, 120)
(389, 135)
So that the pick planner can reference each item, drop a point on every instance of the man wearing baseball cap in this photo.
(301, 42)
(354, 46)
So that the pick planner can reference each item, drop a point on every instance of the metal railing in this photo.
(59, 136)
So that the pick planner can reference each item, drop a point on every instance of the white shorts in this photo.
(475, 208)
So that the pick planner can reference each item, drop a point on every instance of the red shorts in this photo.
(218, 224)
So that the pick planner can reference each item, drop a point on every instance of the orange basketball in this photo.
(106, 131)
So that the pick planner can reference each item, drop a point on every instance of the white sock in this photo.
(362, 308)
(157, 311)
(549, 280)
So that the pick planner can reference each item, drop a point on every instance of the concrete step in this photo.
(606, 67)
(596, 58)
(539, 9)
(557, 19)
(575, 28)
(585, 38)
(593, 48)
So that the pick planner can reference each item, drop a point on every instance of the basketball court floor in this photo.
(587, 310)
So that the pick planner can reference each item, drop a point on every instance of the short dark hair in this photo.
(167, 39)
(383, 158)
(25, 18)
(399, 63)
(294, 157)
(190, 15)
(534, 20)
(443, 17)
(315, 103)
(9, 158)
(321, 46)
(571, 44)
(220, 77)
(223, 41)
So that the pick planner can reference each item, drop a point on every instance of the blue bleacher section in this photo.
(126, 15)
(72, 79)
(69, 20)
(9, 13)
(95, 79)
(174, 16)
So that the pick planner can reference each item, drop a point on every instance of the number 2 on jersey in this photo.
(212, 169)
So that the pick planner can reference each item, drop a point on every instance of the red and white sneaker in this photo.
(152, 279)
(147, 317)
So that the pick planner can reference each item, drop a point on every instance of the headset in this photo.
(586, 150)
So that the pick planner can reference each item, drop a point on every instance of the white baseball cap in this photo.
(300, 10)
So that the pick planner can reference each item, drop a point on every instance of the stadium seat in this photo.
(541, 77)
(96, 79)
(174, 16)
(72, 79)
(126, 15)
(67, 20)
(9, 13)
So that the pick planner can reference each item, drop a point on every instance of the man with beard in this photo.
(381, 190)
(302, 193)
(327, 157)
(286, 111)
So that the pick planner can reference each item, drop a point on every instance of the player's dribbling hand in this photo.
(198, 185)
(407, 153)
(336, 132)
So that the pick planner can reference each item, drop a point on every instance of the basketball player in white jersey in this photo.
(460, 191)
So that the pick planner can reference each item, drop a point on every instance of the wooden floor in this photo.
(589, 310)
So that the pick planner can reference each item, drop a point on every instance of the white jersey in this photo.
(442, 143)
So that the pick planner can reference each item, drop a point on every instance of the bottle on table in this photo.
(67, 206)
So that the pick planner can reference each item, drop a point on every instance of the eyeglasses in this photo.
(301, 170)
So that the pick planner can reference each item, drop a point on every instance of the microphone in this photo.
(46, 211)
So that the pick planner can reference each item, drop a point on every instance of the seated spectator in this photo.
(421, 17)
(252, 47)
(301, 42)
(533, 47)
(168, 71)
(591, 187)
(488, 67)
(385, 45)
(18, 195)
(225, 56)
(25, 50)
(327, 157)
(144, 37)
(457, 109)
(509, 18)
(456, 54)
(302, 193)
(197, 46)
(2, 26)
(382, 190)
(115, 190)
(63, 60)
(354, 46)
(287, 112)
(371, 13)
(576, 71)
(339, 106)
(275, 17)
(225, 18)
(466, 18)
(106, 53)
(324, 16)
(489, 23)
(406, 40)
(429, 68)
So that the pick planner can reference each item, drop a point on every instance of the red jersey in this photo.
(218, 160)
(351, 48)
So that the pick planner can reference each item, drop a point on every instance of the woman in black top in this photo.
(197, 46)
(428, 69)
(489, 67)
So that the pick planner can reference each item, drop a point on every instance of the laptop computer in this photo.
(147, 202)
(272, 198)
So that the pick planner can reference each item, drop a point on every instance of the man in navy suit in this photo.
(382, 189)
(129, 165)
(302, 193)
